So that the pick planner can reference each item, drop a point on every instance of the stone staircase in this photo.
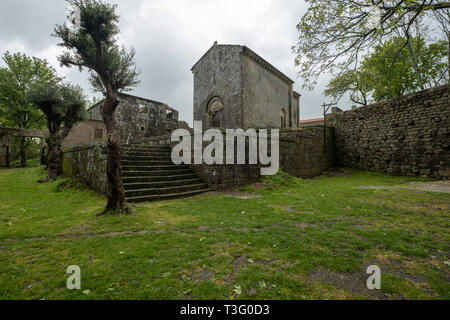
(149, 175)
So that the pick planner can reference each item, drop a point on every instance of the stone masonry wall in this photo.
(85, 133)
(264, 95)
(218, 74)
(301, 153)
(409, 135)
(88, 165)
(140, 118)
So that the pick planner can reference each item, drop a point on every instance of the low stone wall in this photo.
(88, 165)
(301, 153)
(409, 135)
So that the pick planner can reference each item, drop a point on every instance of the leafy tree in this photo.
(63, 106)
(16, 79)
(393, 70)
(357, 82)
(91, 42)
(335, 34)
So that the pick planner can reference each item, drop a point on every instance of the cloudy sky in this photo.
(169, 37)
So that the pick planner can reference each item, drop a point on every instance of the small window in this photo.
(216, 119)
(283, 118)
(98, 133)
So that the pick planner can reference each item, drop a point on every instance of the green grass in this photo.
(298, 239)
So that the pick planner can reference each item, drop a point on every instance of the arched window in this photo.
(214, 111)
(283, 118)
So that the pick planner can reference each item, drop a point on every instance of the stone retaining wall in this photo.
(409, 135)
(88, 165)
(301, 153)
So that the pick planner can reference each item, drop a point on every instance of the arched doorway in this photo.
(214, 112)
(283, 118)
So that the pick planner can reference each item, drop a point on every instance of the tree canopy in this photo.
(335, 35)
(63, 105)
(93, 45)
(393, 70)
(16, 79)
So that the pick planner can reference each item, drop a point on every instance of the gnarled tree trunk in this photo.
(54, 156)
(116, 194)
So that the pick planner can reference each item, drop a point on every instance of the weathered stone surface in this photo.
(251, 92)
(138, 118)
(88, 165)
(409, 135)
(301, 153)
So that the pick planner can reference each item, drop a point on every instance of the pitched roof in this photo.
(254, 56)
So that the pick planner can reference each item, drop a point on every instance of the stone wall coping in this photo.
(403, 100)
(80, 148)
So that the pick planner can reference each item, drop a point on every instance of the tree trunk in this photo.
(54, 156)
(116, 195)
(23, 160)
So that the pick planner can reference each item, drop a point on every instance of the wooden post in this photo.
(325, 108)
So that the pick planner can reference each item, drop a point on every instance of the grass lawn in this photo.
(283, 238)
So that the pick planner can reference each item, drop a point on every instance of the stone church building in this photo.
(234, 87)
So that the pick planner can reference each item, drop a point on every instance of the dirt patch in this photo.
(300, 225)
(285, 208)
(354, 283)
(240, 261)
(241, 195)
(338, 172)
(259, 186)
(204, 275)
(434, 186)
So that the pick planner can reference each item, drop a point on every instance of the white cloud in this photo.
(170, 36)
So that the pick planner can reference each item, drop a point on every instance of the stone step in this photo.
(146, 154)
(141, 168)
(139, 173)
(165, 190)
(161, 184)
(158, 197)
(147, 178)
(146, 149)
(146, 158)
(146, 162)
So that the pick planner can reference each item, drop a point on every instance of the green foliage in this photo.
(62, 104)
(335, 34)
(393, 70)
(16, 80)
(306, 239)
(93, 44)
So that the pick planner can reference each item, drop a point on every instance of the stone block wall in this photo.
(218, 74)
(301, 153)
(88, 165)
(264, 95)
(139, 118)
(408, 135)
(85, 133)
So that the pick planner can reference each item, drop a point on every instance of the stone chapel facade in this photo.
(236, 88)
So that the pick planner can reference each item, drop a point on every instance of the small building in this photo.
(236, 88)
(311, 122)
(138, 118)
